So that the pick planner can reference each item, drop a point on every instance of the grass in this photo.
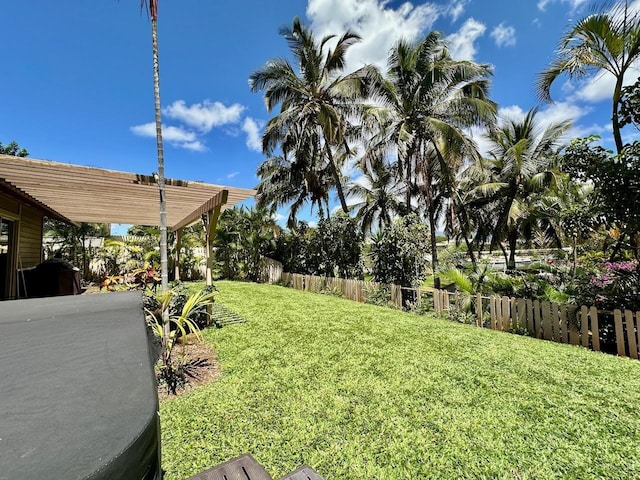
(362, 392)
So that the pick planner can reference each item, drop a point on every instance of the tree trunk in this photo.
(513, 240)
(158, 119)
(336, 179)
(617, 136)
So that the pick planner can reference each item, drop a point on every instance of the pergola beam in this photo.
(217, 201)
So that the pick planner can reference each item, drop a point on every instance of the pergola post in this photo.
(212, 223)
(177, 259)
(209, 212)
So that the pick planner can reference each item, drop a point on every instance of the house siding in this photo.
(30, 243)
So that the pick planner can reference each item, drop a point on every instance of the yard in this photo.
(363, 392)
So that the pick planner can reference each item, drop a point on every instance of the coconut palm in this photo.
(316, 102)
(424, 104)
(379, 197)
(151, 6)
(512, 183)
(601, 42)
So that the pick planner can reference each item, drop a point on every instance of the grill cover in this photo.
(78, 397)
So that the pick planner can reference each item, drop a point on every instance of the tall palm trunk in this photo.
(153, 8)
(617, 136)
(336, 179)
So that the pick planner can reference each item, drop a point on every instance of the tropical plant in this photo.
(378, 196)
(399, 252)
(423, 106)
(243, 237)
(316, 104)
(615, 180)
(169, 326)
(335, 248)
(73, 242)
(605, 41)
(513, 185)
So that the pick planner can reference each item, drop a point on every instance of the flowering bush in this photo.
(615, 285)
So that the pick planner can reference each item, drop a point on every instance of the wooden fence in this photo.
(616, 332)
(356, 290)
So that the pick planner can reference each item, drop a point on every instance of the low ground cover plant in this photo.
(363, 392)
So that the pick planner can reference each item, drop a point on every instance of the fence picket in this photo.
(521, 306)
(631, 333)
(546, 320)
(617, 320)
(537, 314)
(555, 323)
(479, 309)
(505, 313)
(595, 329)
(531, 326)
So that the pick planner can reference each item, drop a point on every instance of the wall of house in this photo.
(27, 245)
(30, 243)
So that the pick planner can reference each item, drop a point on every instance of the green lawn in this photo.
(362, 392)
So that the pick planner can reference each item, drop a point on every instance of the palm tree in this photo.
(511, 184)
(151, 6)
(315, 104)
(605, 41)
(379, 195)
(427, 100)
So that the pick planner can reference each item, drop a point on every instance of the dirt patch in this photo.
(202, 367)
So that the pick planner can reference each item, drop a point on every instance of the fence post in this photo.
(479, 309)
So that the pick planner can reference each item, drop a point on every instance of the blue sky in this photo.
(76, 77)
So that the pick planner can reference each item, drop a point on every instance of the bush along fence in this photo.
(615, 332)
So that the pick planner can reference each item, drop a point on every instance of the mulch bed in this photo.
(203, 367)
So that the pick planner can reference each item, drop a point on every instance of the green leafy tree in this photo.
(378, 196)
(12, 148)
(607, 41)
(335, 248)
(630, 105)
(399, 252)
(616, 184)
(315, 105)
(243, 237)
(425, 103)
(72, 241)
(512, 184)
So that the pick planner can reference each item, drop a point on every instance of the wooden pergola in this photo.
(95, 195)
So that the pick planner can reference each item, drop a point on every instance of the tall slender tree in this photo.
(514, 180)
(316, 102)
(425, 102)
(151, 6)
(606, 41)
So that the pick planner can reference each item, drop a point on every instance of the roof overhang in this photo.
(95, 195)
(9, 189)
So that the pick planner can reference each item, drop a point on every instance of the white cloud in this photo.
(456, 9)
(462, 43)
(575, 4)
(366, 16)
(278, 217)
(204, 116)
(233, 175)
(252, 128)
(504, 36)
(176, 136)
